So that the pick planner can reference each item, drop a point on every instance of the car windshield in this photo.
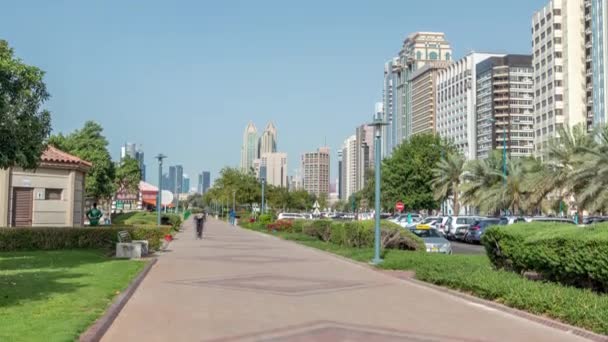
(504, 221)
(426, 233)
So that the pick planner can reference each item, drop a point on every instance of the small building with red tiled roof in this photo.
(53, 195)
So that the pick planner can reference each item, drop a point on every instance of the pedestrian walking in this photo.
(232, 217)
(200, 223)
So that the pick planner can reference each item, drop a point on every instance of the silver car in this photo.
(433, 240)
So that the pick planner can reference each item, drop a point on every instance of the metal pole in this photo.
(263, 204)
(159, 197)
(234, 201)
(377, 152)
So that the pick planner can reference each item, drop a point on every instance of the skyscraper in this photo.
(185, 184)
(560, 82)
(599, 15)
(456, 107)
(505, 107)
(364, 154)
(204, 182)
(389, 108)
(349, 167)
(315, 166)
(268, 140)
(424, 101)
(137, 153)
(340, 183)
(176, 179)
(273, 168)
(418, 49)
(249, 148)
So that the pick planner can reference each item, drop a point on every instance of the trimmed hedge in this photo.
(142, 218)
(46, 238)
(564, 253)
(360, 234)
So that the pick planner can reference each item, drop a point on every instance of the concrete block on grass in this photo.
(128, 250)
(145, 249)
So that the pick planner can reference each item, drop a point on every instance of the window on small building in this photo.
(53, 194)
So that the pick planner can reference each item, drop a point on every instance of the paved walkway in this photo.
(237, 285)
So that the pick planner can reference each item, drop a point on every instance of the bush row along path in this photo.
(238, 285)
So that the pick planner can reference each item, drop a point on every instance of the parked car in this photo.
(478, 228)
(415, 220)
(509, 220)
(550, 219)
(434, 241)
(428, 223)
(442, 224)
(459, 225)
(291, 216)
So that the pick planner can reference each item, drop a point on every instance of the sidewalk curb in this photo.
(409, 276)
(95, 332)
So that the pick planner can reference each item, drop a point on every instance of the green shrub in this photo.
(280, 225)
(320, 229)
(361, 234)
(298, 225)
(563, 253)
(265, 218)
(43, 238)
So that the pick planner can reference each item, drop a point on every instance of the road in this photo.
(238, 285)
(465, 248)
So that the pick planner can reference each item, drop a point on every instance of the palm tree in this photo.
(479, 182)
(592, 171)
(563, 160)
(447, 178)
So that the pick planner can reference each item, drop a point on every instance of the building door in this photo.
(23, 202)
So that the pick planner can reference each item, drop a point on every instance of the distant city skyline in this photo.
(203, 100)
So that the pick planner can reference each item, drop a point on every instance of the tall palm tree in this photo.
(447, 178)
(592, 171)
(479, 182)
(563, 159)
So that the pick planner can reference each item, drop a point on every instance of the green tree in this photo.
(89, 144)
(406, 174)
(24, 126)
(447, 176)
(128, 176)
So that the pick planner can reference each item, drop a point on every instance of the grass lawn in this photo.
(56, 295)
(475, 275)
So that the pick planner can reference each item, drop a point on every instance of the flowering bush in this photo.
(280, 225)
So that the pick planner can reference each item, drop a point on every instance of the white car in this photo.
(290, 216)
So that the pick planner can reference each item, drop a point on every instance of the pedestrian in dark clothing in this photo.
(200, 222)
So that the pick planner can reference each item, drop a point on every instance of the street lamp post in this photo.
(263, 207)
(160, 158)
(234, 200)
(377, 124)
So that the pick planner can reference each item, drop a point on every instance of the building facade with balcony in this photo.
(560, 82)
(505, 106)
(456, 118)
(424, 93)
(315, 168)
(599, 60)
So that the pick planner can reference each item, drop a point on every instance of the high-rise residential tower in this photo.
(599, 24)
(418, 49)
(424, 92)
(505, 106)
(315, 167)
(560, 82)
(349, 167)
(185, 184)
(456, 107)
(389, 107)
(268, 140)
(204, 182)
(249, 148)
(340, 182)
(364, 154)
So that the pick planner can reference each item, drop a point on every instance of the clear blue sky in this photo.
(185, 77)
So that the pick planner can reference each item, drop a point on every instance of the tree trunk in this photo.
(456, 200)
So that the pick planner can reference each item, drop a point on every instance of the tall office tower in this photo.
(599, 58)
(505, 106)
(389, 108)
(249, 149)
(560, 88)
(273, 168)
(185, 184)
(424, 93)
(268, 140)
(418, 49)
(456, 107)
(166, 183)
(176, 179)
(364, 154)
(349, 167)
(204, 182)
(315, 166)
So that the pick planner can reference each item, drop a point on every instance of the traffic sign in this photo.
(399, 206)
(316, 205)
